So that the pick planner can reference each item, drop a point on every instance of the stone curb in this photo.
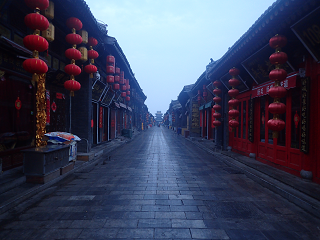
(37, 189)
(293, 195)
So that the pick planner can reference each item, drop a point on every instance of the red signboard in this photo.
(100, 117)
(263, 89)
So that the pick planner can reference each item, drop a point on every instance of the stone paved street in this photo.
(160, 186)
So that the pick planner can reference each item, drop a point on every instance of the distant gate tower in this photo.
(158, 117)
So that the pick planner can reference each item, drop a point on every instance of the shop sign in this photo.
(305, 95)
(251, 117)
(261, 90)
(308, 31)
(100, 117)
(195, 117)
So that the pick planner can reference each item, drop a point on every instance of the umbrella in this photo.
(62, 136)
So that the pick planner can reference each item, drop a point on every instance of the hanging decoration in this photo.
(73, 54)
(217, 100)
(116, 85)
(111, 62)
(35, 42)
(92, 54)
(233, 102)
(36, 66)
(276, 92)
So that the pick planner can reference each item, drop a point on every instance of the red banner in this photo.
(101, 117)
(263, 89)
(48, 107)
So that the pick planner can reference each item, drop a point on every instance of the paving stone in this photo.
(172, 233)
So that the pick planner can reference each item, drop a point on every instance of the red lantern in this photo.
(37, 4)
(72, 69)
(216, 83)
(35, 43)
(35, 65)
(278, 41)
(233, 92)
(110, 70)
(233, 102)
(72, 85)
(217, 115)
(278, 58)
(277, 108)
(216, 123)
(36, 21)
(73, 53)
(92, 54)
(277, 92)
(205, 94)
(116, 86)
(73, 39)
(128, 93)
(111, 59)
(233, 123)
(127, 98)
(128, 87)
(278, 74)
(234, 82)
(90, 69)
(92, 42)
(234, 71)
(276, 125)
(116, 78)
(117, 70)
(123, 88)
(216, 91)
(74, 23)
(216, 107)
(233, 113)
(217, 99)
(110, 79)
(123, 94)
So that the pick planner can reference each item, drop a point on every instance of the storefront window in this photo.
(295, 118)
(17, 127)
(262, 118)
(244, 121)
(270, 136)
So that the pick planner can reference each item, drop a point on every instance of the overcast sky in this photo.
(168, 43)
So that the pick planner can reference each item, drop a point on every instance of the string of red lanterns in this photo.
(116, 85)
(92, 54)
(73, 54)
(217, 100)
(276, 92)
(127, 92)
(233, 102)
(35, 42)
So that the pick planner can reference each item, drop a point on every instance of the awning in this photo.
(117, 105)
(129, 108)
(201, 107)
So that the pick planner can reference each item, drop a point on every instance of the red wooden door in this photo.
(240, 134)
(283, 150)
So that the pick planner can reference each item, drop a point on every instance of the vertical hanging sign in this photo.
(100, 117)
(48, 107)
(305, 88)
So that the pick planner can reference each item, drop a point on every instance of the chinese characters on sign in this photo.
(305, 87)
(262, 90)
(195, 118)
